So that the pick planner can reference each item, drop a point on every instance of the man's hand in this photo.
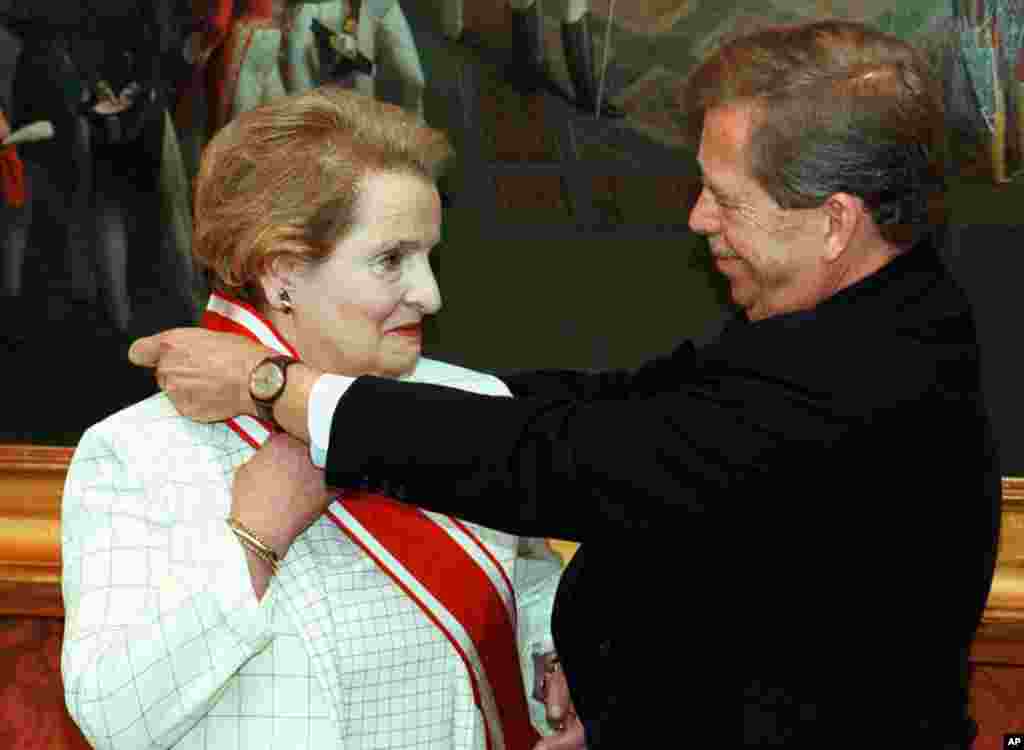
(561, 713)
(204, 373)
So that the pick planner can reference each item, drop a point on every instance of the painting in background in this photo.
(99, 250)
(69, 312)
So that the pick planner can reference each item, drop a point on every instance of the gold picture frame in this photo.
(32, 483)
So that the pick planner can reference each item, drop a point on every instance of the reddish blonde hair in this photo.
(284, 179)
(838, 107)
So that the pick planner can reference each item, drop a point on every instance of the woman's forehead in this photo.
(395, 210)
(397, 197)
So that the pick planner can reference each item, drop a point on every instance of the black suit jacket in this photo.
(805, 510)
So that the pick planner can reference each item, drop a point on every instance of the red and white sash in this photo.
(435, 559)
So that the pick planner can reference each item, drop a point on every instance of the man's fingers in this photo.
(145, 352)
(556, 704)
(571, 738)
(556, 697)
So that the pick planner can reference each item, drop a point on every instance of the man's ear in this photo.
(845, 213)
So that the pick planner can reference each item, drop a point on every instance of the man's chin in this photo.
(741, 297)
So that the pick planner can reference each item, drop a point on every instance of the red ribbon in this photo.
(427, 554)
(12, 177)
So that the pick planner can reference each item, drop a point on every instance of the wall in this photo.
(32, 711)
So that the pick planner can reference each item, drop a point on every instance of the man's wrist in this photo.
(246, 404)
(291, 410)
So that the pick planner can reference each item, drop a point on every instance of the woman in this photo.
(381, 627)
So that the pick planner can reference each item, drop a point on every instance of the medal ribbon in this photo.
(435, 559)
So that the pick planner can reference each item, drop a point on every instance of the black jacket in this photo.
(805, 510)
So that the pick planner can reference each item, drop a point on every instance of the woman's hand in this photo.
(204, 373)
(561, 713)
(277, 494)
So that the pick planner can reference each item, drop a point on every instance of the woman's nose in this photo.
(424, 292)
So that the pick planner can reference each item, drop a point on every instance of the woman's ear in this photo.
(279, 276)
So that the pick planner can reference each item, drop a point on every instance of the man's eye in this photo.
(723, 203)
(719, 200)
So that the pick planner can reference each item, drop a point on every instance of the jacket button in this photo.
(604, 649)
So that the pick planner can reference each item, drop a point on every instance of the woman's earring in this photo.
(286, 301)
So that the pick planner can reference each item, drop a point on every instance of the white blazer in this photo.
(166, 645)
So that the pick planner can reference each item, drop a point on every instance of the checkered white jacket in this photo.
(166, 645)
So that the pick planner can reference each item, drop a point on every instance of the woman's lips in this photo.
(413, 331)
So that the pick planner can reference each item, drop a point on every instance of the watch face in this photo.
(266, 381)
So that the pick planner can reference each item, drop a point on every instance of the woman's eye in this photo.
(391, 262)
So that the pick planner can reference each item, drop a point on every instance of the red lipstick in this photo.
(414, 331)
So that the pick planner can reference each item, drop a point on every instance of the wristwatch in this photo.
(266, 383)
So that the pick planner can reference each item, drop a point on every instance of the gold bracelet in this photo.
(261, 553)
(249, 545)
(252, 541)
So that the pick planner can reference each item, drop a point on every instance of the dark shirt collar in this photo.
(922, 256)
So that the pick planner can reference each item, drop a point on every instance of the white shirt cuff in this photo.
(323, 400)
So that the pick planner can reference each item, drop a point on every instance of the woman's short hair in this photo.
(838, 107)
(284, 178)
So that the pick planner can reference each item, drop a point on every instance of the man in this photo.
(836, 425)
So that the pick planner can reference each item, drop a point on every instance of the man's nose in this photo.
(704, 216)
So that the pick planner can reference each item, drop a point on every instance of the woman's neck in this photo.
(285, 325)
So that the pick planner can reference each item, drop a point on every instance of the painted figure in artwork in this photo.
(102, 228)
(328, 38)
(531, 71)
(12, 212)
(254, 51)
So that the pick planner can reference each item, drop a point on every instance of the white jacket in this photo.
(166, 645)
